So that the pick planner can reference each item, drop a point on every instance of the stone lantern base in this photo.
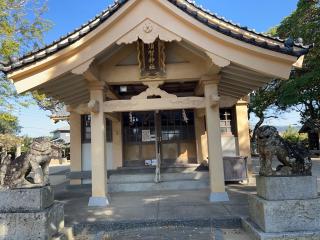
(30, 214)
(284, 208)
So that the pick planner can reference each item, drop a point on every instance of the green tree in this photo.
(25, 145)
(9, 124)
(21, 26)
(47, 103)
(302, 90)
(261, 103)
(21, 29)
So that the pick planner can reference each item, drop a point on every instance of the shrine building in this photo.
(153, 84)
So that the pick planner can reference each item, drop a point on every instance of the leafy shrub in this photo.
(292, 135)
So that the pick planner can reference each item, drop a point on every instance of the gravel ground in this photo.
(170, 232)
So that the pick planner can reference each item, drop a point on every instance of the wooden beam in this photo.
(237, 91)
(113, 116)
(67, 91)
(199, 90)
(71, 95)
(246, 71)
(241, 82)
(117, 75)
(78, 100)
(200, 113)
(244, 77)
(154, 104)
(64, 80)
(235, 86)
(79, 95)
(230, 94)
(80, 109)
(111, 94)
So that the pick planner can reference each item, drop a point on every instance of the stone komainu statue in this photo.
(294, 157)
(14, 173)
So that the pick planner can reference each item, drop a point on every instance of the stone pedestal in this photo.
(284, 208)
(30, 214)
(287, 188)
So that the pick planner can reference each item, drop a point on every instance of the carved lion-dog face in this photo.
(265, 133)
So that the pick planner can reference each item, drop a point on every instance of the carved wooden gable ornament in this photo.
(150, 38)
(151, 59)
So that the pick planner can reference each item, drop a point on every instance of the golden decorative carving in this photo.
(151, 58)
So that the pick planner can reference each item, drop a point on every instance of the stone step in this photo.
(149, 178)
(151, 186)
(187, 168)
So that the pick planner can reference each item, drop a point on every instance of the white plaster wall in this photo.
(229, 144)
(86, 158)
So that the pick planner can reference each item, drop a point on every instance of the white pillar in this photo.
(216, 172)
(243, 132)
(99, 196)
(75, 145)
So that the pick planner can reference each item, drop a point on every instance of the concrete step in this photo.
(166, 177)
(151, 186)
(186, 168)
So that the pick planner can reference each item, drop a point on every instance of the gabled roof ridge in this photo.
(221, 18)
(71, 37)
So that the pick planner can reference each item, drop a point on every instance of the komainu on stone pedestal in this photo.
(287, 205)
(30, 213)
(285, 208)
(295, 158)
(14, 173)
(27, 206)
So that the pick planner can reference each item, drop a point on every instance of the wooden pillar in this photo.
(99, 196)
(216, 172)
(75, 145)
(243, 132)
(201, 136)
(117, 143)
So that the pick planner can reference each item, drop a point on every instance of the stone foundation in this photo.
(284, 208)
(257, 234)
(30, 214)
(285, 215)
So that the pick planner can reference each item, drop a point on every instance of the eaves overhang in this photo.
(221, 25)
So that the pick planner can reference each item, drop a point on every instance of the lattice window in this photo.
(175, 126)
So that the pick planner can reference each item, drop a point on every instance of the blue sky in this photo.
(69, 14)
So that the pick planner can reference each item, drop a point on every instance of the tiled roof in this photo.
(211, 20)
